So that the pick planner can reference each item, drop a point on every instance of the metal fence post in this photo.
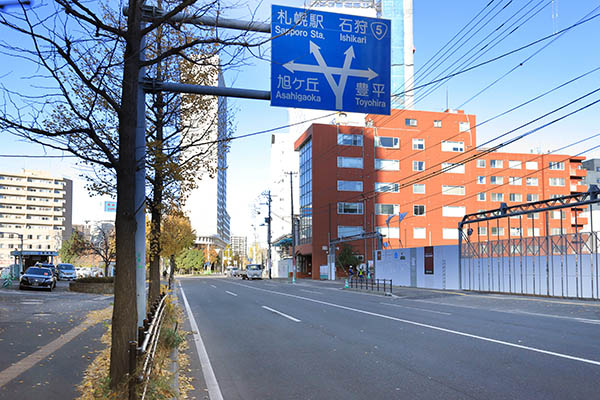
(132, 369)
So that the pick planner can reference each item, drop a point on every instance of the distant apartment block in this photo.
(38, 206)
(356, 180)
(239, 246)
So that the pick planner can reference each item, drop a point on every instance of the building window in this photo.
(387, 187)
(556, 165)
(515, 197)
(531, 165)
(349, 140)
(481, 180)
(497, 231)
(418, 209)
(453, 168)
(514, 164)
(481, 196)
(349, 186)
(419, 233)
(464, 126)
(496, 180)
(533, 216)
(450, 233)
(418, 165)
(515, 231)
(350, 208)
(495, 163)
(349, 162)
(410, 122)
(387, 209)
(453, 211)
(496, 196)
(387, 142)
(533, 232)
(419, 188)
(532, 197)
(557, 181)
(418, 144)
(530, 181)
(437, 123)
(558, 214)
(453, 190)
(515, 180)
(556, 231)
(344, 231)
(482, 231)
(305, 179)
(453, 146)
(480, 163)
(389, 232)
(386, 165)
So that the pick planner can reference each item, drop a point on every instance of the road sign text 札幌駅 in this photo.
(330, 61)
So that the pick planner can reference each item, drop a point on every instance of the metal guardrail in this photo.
(148, 336)
(384, 285)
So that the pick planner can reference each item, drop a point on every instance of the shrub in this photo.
(96, 279)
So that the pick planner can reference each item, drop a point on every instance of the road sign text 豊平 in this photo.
(330, 61)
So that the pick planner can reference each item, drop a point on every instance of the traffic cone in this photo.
(346, 284)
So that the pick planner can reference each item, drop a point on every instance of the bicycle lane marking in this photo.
(31, 360)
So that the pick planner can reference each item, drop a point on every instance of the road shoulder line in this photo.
(214, 391)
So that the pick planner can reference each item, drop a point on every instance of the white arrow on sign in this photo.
(322, 68)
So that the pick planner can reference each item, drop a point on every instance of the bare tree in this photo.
(102, 244)
(85, 63)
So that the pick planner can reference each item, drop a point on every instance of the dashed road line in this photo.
(231, 293)
(309, 291)
(213, 286)
(280, 313)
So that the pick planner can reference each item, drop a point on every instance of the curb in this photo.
(174, 368)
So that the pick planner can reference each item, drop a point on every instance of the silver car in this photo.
(66, 272)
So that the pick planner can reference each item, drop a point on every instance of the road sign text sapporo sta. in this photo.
(330, 61)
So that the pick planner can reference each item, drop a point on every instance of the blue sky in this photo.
(435, 22)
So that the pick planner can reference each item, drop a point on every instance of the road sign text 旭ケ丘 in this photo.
(330, 61)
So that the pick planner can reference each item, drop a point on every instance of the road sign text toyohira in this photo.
(330, 61)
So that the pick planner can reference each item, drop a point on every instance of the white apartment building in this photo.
(36, 207)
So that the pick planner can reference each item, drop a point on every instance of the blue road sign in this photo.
(330, 61)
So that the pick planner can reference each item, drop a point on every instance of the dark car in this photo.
(38, 278)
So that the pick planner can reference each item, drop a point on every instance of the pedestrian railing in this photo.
(375, 285)
(143, 355)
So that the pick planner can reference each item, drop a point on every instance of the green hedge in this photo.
(97, 279)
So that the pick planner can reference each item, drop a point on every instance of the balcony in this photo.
(578, 172)
(578, 188)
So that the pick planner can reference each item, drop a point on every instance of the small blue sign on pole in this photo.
(110, 206)
(330, 61)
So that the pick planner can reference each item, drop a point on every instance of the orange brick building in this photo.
(424, 164)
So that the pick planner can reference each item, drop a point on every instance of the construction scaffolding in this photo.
(555, 256)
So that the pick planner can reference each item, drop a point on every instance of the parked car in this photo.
(66, 272)
(232, 271)
(252, 271)
(38, 278)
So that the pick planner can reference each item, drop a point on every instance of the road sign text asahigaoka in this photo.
(330, 61)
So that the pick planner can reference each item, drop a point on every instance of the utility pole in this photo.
(293, 227)
(269, 232)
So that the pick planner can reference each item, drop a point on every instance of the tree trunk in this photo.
(124, 319)
(172, 272)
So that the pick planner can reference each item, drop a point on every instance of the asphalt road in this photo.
(30, 323)
(312, 340)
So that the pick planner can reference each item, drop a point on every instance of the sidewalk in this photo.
(47, 342)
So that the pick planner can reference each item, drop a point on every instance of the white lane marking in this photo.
(214, 391)
(416, 308)
(213, 286)
(270, 284)
(231, 293)
(309, 291)
(437, 328)
(280, 313)
(583, 320)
